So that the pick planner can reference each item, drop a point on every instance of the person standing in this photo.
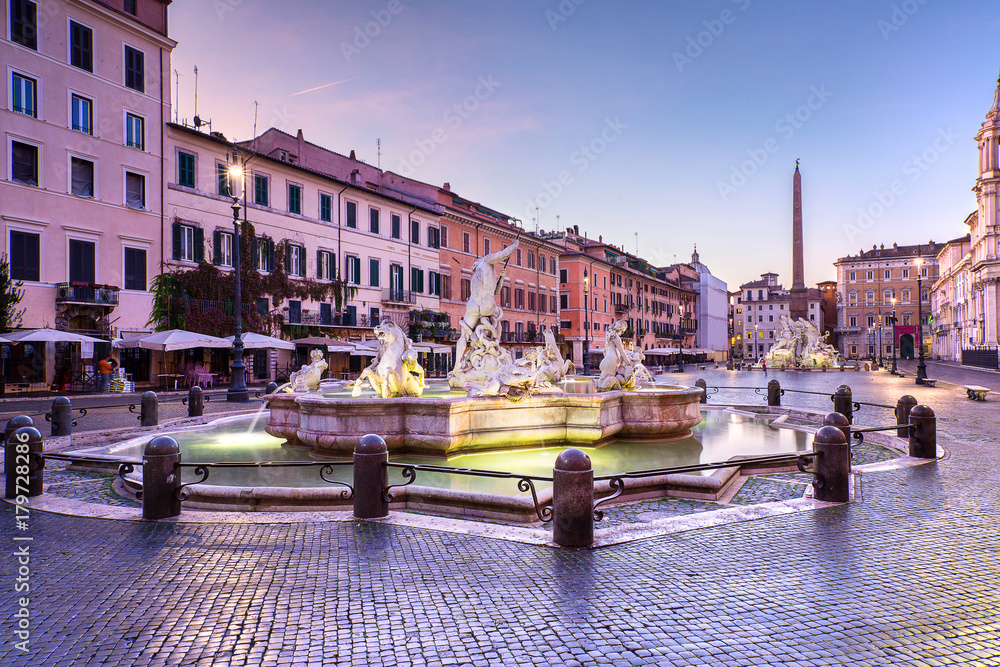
(104, 368)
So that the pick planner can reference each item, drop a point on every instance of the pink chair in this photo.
(189, 375)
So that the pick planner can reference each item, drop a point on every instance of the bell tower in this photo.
(985, 239)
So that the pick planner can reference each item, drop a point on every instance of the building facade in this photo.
(757, 311)
(874, 284)
(954, 328)
(985, 235)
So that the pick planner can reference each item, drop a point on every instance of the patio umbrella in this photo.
(178, 339)
(49, 336)
(256, 341)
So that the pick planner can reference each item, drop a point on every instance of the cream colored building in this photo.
(950, 300)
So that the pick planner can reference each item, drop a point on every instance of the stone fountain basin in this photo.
(450, 425)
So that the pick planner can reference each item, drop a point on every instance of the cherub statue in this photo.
(308, 377)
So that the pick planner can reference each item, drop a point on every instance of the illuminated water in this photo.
(718, 437)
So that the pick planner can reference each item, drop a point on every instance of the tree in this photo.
(10, 295)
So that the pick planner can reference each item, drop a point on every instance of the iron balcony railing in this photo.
(394, 295)
(99, 295)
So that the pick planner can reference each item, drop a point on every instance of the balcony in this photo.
(87, 293)
(392, 295)
(621, 308)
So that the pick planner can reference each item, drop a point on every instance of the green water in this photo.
(717, 438)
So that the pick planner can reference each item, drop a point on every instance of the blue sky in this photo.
(652, 124)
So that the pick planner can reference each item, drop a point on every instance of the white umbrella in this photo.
(178, 339)
(256, 341)
(49, 336)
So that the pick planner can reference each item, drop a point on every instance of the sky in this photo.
(654, 125)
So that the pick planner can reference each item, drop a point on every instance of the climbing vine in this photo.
(201, 299)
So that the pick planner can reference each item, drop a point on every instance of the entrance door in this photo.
(906, 346)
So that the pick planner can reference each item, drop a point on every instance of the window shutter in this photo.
(302, 262)
(270, 255)
(332, 266)
(254, 254)
(199, 244)
(288, 258)
(319, 265)
(217, 243)
(177, 240)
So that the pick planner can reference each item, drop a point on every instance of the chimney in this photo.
(447, 186)
(600, 238)
(353, 156)
(302, 143)
(576, 229)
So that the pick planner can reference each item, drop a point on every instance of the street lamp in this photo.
(921, 367)
(238, 392)
(756, 352)
(680, 354)
(893, 371)
(586, 322)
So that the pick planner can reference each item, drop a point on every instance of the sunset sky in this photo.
(656, 125)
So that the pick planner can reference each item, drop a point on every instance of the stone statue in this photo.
(620, 369)
(515, 380)
(394, 371)
(551, 361)
(308, 377)
(478, 353)
(800, 344)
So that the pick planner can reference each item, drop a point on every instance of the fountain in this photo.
(492, 401)
(800, 345)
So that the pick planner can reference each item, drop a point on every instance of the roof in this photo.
(929, 249)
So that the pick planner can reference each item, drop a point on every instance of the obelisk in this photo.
(798, 305)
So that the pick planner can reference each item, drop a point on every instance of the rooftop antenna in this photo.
(177, 96)
(538, 215)
(378, 154)
(637, 244)
(255, 106)
(198, 122)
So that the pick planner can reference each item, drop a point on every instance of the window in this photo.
(444, 236)
(395, 226)
(25, 257)
(81, 46)
(433, 237)
(221, 179)
(517, 258)
(563, 276)
(871, 275)
(415, 231)
(373, 272)
(416, 280)
(294, 311)
(353, 265)
(552, 303)
(852, 298)
(82, 177)
(326, 265)
(25, 95)
(185, 169)
(541, 265)
(854, 320)
(81, 261)
(135, 269)
(531, 301)
(325, 313)
(135, 132)
(531, 265)
(260, 190)
(24, 23)
(906, 273)
(24, 163)
(130, 7)
(325, 206)
(466, 287)
(135, 69)
(465, 241)
(295, 260)
(923, 272)
(262, 250)
(295, 199)
(135, 190)
(373, 220)
(223, 246)
(396, 282)
(519, 299)
(434, 283)
(871, 320)
(886, 295)
(564, 300)
(83, 114)
(352, 215)
(888, 274)
(189, 243)
(486, 246)
(446, 287)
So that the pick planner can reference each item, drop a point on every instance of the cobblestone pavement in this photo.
(906, 576)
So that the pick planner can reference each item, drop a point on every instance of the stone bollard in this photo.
(843, 402)
(150, 414)
(903, 407)
(840, 421)
(831, 466)
(573, 499)
(23, 470)
(774, 393)
(161, 478)
(704, 390)
(271, 388)
(15, 423)
(62, 416)
(923, 435)
(196, 402)
(371, 477)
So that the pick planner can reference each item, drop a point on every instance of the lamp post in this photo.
(586, 322)
(921, 367)
(893, 371)
(756, 352)
(881, 325)
(238, 392)
(680, 354)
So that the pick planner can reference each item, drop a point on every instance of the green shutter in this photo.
(253, 252)
(199, 244)
(288, 258)
(319, 264)
(177, 240)
(302, 262)
(217, 243)
(270, 255)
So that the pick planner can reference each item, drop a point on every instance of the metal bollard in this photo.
(271, 388)
(704, 389)
(62, 416)
(831, 466)
(923, 435)
(150, 415)
(840, 421)
(774, 393)
(196, 402)
(573, 499)
(22, 462)
(903, 407)
(161, 478)
(843, 402)
(371, 477)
